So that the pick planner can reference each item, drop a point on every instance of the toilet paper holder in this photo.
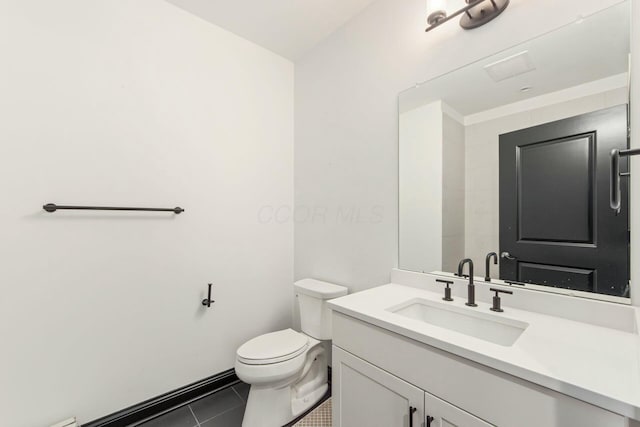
(207, 301)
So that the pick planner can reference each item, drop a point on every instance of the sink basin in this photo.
(484, 326)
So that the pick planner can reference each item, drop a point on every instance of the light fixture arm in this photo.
(469, 21)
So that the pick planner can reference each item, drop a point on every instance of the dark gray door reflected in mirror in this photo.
(555, 218)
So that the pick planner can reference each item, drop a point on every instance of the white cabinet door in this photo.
(441, 414)
(367, 396)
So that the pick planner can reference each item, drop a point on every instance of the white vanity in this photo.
(402, 355)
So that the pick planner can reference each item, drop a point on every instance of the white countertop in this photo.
(595, 364)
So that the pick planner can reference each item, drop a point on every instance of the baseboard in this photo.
(164, 402)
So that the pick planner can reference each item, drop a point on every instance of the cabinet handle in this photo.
(429, 420)
(412, 411)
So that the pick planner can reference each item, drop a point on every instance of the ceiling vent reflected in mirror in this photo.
(474, 13)
(511, 66)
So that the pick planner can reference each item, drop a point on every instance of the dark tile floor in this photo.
(224, 408)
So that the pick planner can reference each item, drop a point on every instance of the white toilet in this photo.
(287, 370)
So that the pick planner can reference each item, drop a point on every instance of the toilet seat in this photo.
(274, 347)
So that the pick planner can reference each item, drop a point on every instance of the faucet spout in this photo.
(461, 268)
(471, 289)
(487, 271)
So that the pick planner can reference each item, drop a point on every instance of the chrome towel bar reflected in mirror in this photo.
(614, 200)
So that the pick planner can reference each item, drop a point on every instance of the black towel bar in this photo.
(52, 207)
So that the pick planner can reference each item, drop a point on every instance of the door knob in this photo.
(507, 255)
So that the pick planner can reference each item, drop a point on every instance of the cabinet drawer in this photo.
(491, 395)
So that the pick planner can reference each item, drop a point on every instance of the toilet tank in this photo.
(315, 316)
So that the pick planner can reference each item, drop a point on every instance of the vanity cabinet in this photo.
(378, 375)
(444, 414)
(369, 396)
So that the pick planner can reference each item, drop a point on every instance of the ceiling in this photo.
(286, 27)
(589, 50)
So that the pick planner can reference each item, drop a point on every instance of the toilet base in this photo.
(275, 406)
(267, 407)
(302, 405)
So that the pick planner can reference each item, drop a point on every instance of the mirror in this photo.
(511, 154)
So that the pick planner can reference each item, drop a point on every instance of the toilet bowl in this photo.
(287, 370)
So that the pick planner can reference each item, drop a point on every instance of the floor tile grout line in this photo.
(210, 393)
(143, 422)
(236, 391)
(194, 416)
(221, 413)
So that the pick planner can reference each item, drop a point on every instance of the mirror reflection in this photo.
(511, 155)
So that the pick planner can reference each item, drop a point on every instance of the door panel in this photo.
(555, 217)
(574, 278)
(447, 415)
(364, 395)
(548, 211)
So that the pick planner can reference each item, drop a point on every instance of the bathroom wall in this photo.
(431, 207)
(421, 206)
(137, 103)
(347, 124)
(482, 164)
(453, 198)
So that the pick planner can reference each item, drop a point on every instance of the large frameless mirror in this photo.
(512, 155)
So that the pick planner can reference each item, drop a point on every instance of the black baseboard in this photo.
(162, 403)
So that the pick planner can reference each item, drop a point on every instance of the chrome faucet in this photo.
(487, 271)
(471, 289)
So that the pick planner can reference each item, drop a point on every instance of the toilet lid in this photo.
(273, 347)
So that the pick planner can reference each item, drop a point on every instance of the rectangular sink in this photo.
(484, 326)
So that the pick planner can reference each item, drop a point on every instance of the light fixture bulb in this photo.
(436, 11)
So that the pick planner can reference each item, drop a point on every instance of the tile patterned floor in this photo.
(225, 408)
(319, 417)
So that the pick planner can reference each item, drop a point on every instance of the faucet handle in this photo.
(496, 299)
(447, 291)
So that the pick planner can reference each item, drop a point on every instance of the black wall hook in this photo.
(207, 301)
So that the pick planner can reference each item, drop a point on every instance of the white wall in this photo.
(420, 207)
(453, 199)
(347, 122)
(125, 102)
(431, 204)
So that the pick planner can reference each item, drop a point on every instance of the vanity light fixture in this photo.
(475, 13)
